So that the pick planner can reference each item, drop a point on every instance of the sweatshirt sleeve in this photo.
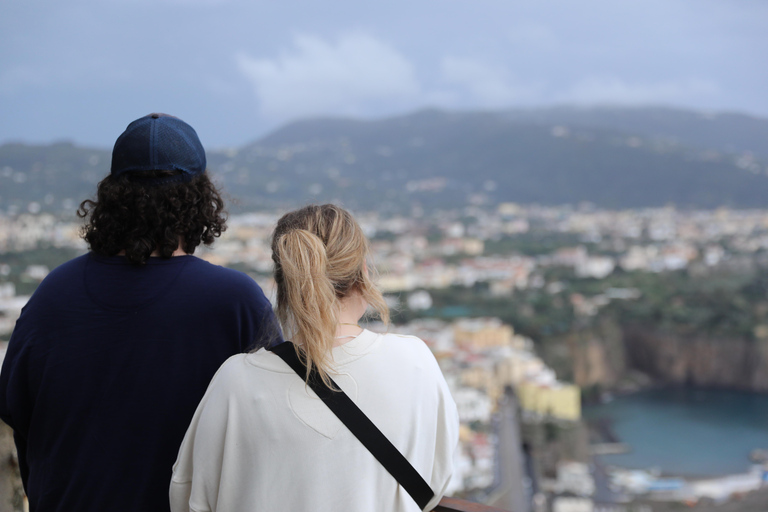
(198, 470)
(268, 327)
(258, 325)
(446, 442)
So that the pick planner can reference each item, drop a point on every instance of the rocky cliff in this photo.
(609, 357)
(698, 360)
(592, 357)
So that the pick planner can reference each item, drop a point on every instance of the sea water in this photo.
(686, 431)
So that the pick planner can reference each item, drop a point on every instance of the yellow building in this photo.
(558, 400)
(482, 333)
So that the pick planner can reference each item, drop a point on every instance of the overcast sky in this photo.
(235, 69)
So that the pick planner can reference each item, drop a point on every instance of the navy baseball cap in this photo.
(158, 142)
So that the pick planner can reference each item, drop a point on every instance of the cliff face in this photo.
(608, 355)
(698, 360)
(590, 357)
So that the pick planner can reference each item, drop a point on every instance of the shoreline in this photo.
(688, 477)
(645, 485)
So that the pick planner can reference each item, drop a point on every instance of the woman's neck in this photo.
(352, 308)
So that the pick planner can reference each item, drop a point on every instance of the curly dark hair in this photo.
(139, 213)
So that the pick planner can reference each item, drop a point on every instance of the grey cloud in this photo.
(317, 76)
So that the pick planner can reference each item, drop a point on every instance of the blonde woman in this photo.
(261, 439)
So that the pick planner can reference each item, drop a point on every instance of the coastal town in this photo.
(564, 207)
(503, 251)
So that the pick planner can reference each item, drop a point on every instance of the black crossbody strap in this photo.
(362, 428)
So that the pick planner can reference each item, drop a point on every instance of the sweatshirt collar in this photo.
(354, 349)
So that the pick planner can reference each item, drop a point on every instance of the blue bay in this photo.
(686, 431)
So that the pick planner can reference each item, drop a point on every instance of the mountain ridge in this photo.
(614, 158)
(715, 132)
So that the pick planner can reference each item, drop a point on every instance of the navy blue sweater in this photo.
(105, 368)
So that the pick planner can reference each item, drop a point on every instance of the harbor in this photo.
(710, 450)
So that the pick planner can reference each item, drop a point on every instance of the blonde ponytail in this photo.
(320, 257)
(306, 305)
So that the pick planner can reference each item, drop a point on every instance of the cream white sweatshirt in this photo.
(261, 440)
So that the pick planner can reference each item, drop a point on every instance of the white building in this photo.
(473, 405)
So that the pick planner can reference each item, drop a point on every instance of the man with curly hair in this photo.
(114, 350)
